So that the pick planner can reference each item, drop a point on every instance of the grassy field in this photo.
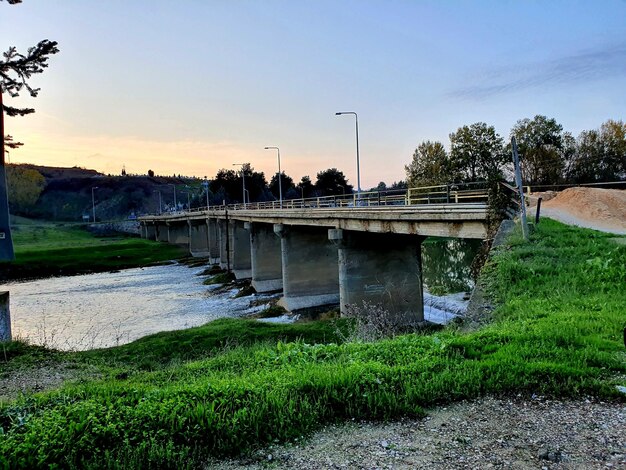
(169, 400)
(47, 249)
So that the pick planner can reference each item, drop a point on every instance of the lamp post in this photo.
(93, 203)
(160, 204)
(280, 186)
(358, 170)
(206, 187)
(174, 186)
(243, 178)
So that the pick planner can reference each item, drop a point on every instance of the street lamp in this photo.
(93, 203)
(206, 187)
(174, 186)
(358, 171)
(280, 186)
(243, 178)
(160, 204)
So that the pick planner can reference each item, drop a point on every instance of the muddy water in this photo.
(107, 309)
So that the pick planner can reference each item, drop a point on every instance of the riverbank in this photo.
(44, 249)
(172, 400)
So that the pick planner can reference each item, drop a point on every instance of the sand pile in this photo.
(600, 209)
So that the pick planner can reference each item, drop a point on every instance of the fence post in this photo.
(5, 317)
(538, 210)
(518, 180)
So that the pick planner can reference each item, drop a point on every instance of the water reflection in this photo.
(446, 264)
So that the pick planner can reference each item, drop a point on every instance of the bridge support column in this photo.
(309, 264)
(240, 237)
(150, 231)
(224, 244)
(383, 269)
(198, 238)
(178, 234)
(161, 232)
(265, 258)
(213, 244)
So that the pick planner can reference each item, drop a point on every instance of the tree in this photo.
(541, 143)
(305, 187)
(286, 182)
(15, 71)
(25, 187)
(600, 154)
(430, 165)
(151, 173)
(477, 153)
(332, 182)
(228, 185)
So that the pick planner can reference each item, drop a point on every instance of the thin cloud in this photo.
(584, 67)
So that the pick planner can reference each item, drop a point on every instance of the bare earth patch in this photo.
(514, 433)
(599, 209)
(18, 381)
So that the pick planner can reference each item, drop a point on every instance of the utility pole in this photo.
(518, 181)
(6, 242)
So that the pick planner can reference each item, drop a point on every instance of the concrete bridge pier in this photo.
(212, 232)
(198, 239)
(309, 265)
(241, 260)
(161, 232)
(265, 258)
(383, 269)
(225, 247)
(150, 232)
(178, 233)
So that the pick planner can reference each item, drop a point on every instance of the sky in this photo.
(191, 86)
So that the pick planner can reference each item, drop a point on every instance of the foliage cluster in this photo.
(548, 155)
(557, 331)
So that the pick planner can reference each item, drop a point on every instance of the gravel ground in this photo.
(520, 433)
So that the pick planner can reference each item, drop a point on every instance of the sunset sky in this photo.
(191, 86)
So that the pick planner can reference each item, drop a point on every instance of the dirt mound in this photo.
(600, 209)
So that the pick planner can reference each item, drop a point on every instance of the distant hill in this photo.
(67, 194)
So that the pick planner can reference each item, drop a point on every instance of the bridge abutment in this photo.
(382, 270)
(265, 258)
(309, 266)
(224, 244)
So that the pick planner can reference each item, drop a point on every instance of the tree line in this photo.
(227, 186)
(548, 155)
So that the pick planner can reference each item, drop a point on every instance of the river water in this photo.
(108, 309)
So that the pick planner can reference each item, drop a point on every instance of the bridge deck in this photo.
(444, 220)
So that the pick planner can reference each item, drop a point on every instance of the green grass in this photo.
(228, 387)
(48, 249)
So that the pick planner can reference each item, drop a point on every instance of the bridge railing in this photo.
(438, 194)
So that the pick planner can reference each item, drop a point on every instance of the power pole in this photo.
(6, 242)
(518, 181)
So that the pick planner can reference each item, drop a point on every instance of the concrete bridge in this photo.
(325, 253)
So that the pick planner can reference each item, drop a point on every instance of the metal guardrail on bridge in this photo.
(439, 194)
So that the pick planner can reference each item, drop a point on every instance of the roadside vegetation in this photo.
(47, 249)
(169, 400)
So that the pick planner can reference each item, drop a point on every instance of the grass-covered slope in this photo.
(557, 330)
(47, 249)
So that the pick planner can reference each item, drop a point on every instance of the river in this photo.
(108, 309)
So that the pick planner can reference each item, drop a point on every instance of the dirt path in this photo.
(599, 209)
(531, 433)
